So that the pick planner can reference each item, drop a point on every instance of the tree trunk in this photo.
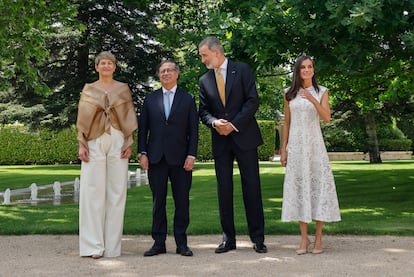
(371, 129)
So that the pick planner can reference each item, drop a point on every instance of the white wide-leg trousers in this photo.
(103, 186)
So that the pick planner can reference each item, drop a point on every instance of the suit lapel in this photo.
(230, 76)
(160, 101)
(176, 102)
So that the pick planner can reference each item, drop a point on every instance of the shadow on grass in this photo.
(375, 199)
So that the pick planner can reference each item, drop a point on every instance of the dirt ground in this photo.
(44, 255)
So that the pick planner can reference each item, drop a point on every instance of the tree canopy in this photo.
(363, 51)
(25, 26)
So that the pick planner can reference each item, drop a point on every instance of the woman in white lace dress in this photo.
(309, 191)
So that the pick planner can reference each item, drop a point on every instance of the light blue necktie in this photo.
(167, 104)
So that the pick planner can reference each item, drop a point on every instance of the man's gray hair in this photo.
(212, 43)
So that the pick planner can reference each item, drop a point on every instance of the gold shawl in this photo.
(98, 111)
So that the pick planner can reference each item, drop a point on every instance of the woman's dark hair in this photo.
(297, 82)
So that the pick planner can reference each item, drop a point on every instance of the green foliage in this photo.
(19, 146)
(362, 51)
(265, 151)
(389, 132)
(344, 133)
(25, 26)
(406, 125)
(340, 140)
(268, 130)
(204, 152)
(15, 146)
(361, 48)
(63, 57)
(127, 29)
(392, 138)
(395, 144)
(270, 90)
(18, 113)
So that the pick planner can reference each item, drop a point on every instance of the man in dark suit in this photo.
(228, 103)
(167, 143)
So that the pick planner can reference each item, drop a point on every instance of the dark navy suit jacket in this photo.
(174, 138)
(242, 102)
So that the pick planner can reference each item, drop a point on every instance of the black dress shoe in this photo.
(260, 247)
(184, 251)
(225, 246)
(155, 250)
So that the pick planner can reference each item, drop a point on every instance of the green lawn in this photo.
(375, 199)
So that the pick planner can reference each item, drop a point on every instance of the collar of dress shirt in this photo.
(173, 89)
(223, 68)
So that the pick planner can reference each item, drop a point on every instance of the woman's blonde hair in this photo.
(105, 55)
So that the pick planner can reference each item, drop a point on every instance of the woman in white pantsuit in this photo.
(106, 123)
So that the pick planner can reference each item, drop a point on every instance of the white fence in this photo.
(61, 189)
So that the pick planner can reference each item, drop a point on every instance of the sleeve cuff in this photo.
(234, 127)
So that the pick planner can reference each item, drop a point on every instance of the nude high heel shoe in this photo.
(317, 251)
(302, 251)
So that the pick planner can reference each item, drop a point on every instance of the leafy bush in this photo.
(268, 129)
(204, 152)
(265, 151)
(395, 144)
(390, 138)
(338, 139)
(19, 146)
(389, 132)
(406, 123)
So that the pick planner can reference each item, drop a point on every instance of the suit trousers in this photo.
(103, 186)
(158, 175)
(248, 163)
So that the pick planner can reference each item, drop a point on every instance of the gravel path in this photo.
(54, 255)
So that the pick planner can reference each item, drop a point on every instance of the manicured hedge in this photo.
(395, 144)
(18, 146)
(265, 151)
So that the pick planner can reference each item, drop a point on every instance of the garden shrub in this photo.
(19, 146)
(265, 151)
(395, 144)
(390, 138)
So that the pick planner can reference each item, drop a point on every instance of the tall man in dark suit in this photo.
(167, 143)
(228, 103)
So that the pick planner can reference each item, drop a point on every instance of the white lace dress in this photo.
(309, 191)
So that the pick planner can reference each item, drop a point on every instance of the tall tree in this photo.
(127, 29)
(186, 23)
(24, 27)
(48, 66)
(363, 48)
